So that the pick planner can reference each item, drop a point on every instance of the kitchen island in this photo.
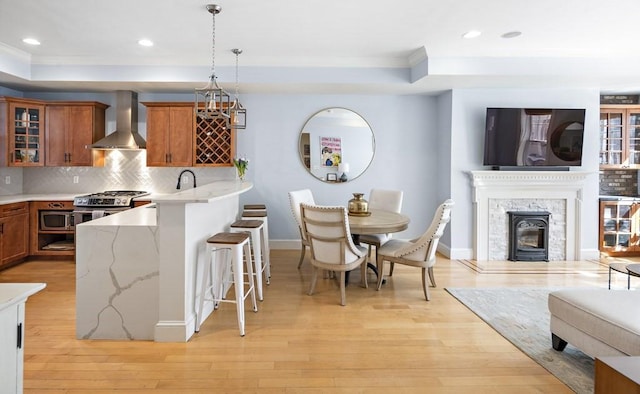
(137, 270)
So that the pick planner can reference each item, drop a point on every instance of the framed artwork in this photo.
(332, 177)
(330, 151)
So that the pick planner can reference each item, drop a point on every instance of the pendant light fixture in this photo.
(212, 102)
(238, 112)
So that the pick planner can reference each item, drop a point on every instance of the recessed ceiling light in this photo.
(511, 34)
(145, 42)
(31, 41)
(471, 34)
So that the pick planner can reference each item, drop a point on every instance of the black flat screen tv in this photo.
(533, 137)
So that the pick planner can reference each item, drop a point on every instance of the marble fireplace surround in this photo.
(559, 192)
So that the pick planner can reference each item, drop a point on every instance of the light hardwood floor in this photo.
(381, 342)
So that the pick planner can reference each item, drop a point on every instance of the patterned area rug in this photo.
(521, 315)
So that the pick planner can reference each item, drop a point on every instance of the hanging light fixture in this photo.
(212, 102)
(238, 112)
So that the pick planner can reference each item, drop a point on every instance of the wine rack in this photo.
(214, 144)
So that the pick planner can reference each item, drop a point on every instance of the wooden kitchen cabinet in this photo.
(620, 136)
(21, 132)
(14, 233)
(620, 227)
(70, 128)
(51, 242)
(169, 134)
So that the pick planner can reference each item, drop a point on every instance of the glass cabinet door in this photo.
(26, 135)
(611, 137)
(633, 132)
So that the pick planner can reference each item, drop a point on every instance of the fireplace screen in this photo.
(528, 235)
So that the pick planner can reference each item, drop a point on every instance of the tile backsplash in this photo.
(619, 182)
(123, 170)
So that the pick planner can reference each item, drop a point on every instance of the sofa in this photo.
(599, 322)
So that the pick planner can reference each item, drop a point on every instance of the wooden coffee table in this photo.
(617, 374)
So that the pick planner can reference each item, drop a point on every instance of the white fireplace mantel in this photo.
(511, 185)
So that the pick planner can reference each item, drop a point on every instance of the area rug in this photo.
(521, 315)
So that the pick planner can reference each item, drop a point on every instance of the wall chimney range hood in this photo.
(126, 134)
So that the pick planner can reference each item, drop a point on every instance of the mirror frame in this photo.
(303, 156)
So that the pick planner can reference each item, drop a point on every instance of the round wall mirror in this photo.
(336, 145)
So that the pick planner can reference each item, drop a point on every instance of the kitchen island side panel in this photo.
(117, 280)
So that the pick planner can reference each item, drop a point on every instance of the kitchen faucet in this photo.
(180, 177)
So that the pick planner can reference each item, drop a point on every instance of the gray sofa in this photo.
(599, 322)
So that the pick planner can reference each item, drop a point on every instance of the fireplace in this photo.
(528, 235)
(497, 192)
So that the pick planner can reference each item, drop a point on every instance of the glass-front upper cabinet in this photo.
(620, 136)
(24, 132)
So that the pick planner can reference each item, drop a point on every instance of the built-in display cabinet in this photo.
(619, 136)
(620, 227)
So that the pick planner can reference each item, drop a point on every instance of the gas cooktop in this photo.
(110, 198)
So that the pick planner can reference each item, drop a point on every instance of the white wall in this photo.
(404, 129)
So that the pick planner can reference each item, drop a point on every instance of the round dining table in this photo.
(378, 222)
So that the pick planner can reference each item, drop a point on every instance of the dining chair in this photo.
(420, 252)
(388, 200)
(332, 249)
(295, 199)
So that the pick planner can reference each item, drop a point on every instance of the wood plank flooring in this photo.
(381, 342)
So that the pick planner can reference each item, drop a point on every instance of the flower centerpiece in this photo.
(241, 164)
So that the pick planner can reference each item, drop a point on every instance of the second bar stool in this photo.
(236, 243)
(254, 207)
(262, 216)
(256, 229)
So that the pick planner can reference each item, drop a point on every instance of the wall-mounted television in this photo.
(533, 137)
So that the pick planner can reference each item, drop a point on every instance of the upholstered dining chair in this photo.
(295, 199)
(420, 252)
(389, 200)
(332, 249)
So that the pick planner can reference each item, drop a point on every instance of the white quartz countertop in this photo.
(140, 216)
(206, 193)
(12, 293)
(38, 197)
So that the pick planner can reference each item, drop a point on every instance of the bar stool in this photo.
(255, 207)
(236, 244)
(256, 229)
(262, 216)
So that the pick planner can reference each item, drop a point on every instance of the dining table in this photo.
(376, 221)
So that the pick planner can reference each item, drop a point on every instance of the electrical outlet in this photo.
(76, 179)
(185, 179)
(7, 180)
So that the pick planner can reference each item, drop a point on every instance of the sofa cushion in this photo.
(610, 316)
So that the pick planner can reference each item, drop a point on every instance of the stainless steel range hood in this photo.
(126, 134)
